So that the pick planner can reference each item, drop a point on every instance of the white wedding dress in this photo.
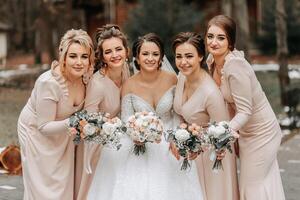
(154, 175)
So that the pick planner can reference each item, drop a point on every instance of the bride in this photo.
(155, 174)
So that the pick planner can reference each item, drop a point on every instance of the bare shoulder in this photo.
(169, 77)
(128, 86)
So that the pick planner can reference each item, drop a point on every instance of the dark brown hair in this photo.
(106, 32)
(228, 25)
(150, 37)
(194, 39)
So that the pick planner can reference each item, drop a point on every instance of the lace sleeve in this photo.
(126, 107)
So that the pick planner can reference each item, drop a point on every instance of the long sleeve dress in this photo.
(46, 148)
(260, 133)
(206, 105)
(102, 96)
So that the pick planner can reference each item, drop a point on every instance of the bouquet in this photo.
(220, 137)
(96, 127)
(188, 141)
(143, 127)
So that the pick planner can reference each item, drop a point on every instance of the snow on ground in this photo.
(294, 70)
(22, 70)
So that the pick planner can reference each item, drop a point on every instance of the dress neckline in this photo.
(147, 103)
(183, 103)
(63, 83)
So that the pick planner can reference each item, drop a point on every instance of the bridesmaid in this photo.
(46, 148)
(103, 95)
(260, 134)
(198, 100)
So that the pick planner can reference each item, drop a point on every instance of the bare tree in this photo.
(238, 10)
(44, 25)
(282, 49)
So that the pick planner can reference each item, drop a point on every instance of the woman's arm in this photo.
(237, 74)
(46, 109)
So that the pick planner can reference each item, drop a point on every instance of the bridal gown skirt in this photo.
(155, 175)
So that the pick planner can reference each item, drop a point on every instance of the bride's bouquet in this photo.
(220, 137)
(143, 127)
(188, 141)
(96, 127)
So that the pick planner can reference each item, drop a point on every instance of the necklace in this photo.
(218, 69)
(219, 73)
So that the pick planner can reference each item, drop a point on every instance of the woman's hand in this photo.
(174, 150)
(138, 143)
(221, 154)
(193, 155)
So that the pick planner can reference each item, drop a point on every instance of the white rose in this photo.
(118, 123)
(108, 128)
(182, 135)
(151, 114)
(89, 129)
(139, 122)
(211, 130)
(219, 130)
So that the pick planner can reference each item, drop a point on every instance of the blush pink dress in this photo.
(46, 148)
(260, 133)
(206, 105)
(102, 96)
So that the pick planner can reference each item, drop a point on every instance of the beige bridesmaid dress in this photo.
(206, 105)
(102, 96)
(260, 133)
(46, 148)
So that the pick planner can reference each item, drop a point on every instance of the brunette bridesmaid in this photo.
(253, 117)
(47, 149)
(198, 100)
(103, 95)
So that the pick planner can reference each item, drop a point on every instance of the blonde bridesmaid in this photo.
(47, 149)
(253, 117)
(198, 100)
(103, 95)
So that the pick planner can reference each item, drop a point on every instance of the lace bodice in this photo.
(132, 103)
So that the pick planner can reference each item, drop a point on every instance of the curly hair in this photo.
(106, 32)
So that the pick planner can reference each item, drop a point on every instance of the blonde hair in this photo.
(75, 36)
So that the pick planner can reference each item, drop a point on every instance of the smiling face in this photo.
(216, 41)
(77, 60)
(114, 52)
(187, 59)
(149, 56)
